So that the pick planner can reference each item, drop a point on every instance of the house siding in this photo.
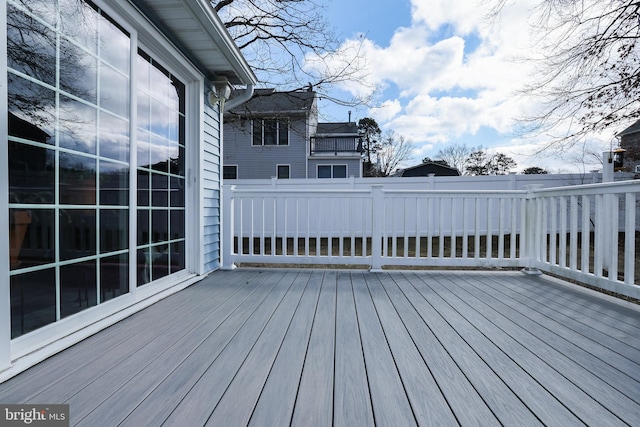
(259, 162)
(211, 178)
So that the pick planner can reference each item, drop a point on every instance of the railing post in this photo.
(530, 232)
(377, 224)
(227, 222)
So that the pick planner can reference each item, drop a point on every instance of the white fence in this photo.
(586, 232)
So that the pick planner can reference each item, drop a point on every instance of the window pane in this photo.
(144, 266)
(159, 226)
(159, 261)
(31, 110)
(85, 34)
(143, 188)
(283, 171)
(33, 301)
(79, 71)
(114, 137)
(114, 230)
(159, 152)
(78, 126)
(159, 190)
(177, 192)
(144, 150)
(31, 237)
(324, 171)
(230, 172)
(257, 132)
(31, 174)
(283, 132)
(340, 171)
(144, 231)
(177, 256)
(77, 233)
(270, 132)
(177, 224)
(31, 46)
(78, 286)
(114, 183)
(114, 91)
(114, 276)
(77, 180)
(114, 44)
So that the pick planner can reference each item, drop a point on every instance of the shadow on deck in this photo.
(282, 347)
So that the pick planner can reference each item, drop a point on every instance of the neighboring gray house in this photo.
(111, 168)
(277, 134)
(630, 141)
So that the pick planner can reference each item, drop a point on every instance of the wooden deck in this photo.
(352, 348)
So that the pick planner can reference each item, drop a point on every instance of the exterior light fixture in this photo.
(220, 91)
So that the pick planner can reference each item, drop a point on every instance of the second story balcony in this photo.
(336, 145)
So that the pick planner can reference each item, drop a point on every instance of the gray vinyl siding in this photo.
(259, 162)
(211, 176)
(353, 165)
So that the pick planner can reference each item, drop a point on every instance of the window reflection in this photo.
(31, 110)
(77, 179)
(143, 188)
(78, 286)
(77, 126)
(114, 183)
(33, 301)
(116, 97)
(84, 73)
(159, 226)
(114, 230)
(113, 137)
(114, 44)
(77, 233)
(30, 46)
(83, 31)
(31, 237)
(144, 232)
(31, 174)
(159, 190)
(114, 276)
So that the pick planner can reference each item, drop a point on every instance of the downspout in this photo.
(242, 97)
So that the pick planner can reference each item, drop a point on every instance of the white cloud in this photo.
(440, 89)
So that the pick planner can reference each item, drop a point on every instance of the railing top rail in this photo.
(587, 189)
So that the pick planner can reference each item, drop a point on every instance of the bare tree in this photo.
(480, 163)
(588, 76)
(277, 35)
(394, 149)
(456, 155)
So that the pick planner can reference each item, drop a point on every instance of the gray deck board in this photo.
(352, 401)
(606, 383)
(314, 402)
(283, 347)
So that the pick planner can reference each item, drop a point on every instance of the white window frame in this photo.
(288, 170)
(230, 166)
(278, 120)
(332, 166)
(46, 340)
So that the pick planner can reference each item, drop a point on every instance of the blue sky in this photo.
(445, 74)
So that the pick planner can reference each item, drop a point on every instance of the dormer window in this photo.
(270, 132)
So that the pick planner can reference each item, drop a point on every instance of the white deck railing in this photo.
(586, 233)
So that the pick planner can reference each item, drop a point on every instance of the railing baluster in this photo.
(630, 238)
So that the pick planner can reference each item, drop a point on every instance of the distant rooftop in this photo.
(268, 101)
(337, 128)
(634, 128)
